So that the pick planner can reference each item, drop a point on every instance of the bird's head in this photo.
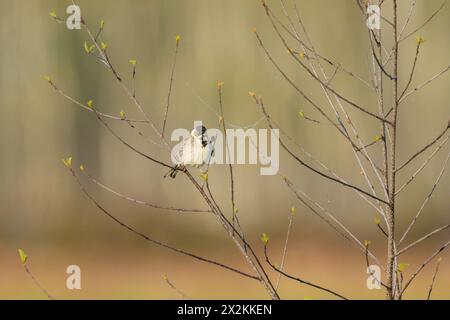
(199, 132)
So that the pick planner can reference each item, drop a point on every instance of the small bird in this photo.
(195, 151)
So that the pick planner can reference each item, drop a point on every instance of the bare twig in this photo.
(425, 148)
(425, 22)
(423, 265)
(283, 257)
(37, 283)
(223, 127)
(328, 217)
(340, 96)
(420, 86)
(413, 69)
(408, 229)
(300, 280)
(177, 39)
(259, 101)
(140, 202)
(434, 278)
(429, 235)
(424, 164)
(170, 284)
(151, 240)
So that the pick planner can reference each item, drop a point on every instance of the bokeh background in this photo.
(43, 211)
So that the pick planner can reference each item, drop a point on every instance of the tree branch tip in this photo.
(402, 266)
(265, 239)
(23, 256)
(67, 162)
(420, 40)
(377, 220)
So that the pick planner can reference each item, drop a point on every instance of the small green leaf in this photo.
(23, 256)
(53, 14)
(265, 239)
(402, 266)
(88, 48)
(301, 114)
(68, 162)
(293, 210)
(133, 62)
(102, 24)
(420, 39)
(377, 220)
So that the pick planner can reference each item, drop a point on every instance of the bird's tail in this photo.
(172, 172)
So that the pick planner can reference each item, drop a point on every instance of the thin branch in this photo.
(170, 284)
(298, 279)
(413, 69)
(223, 127)
(408, 18)
(37, 283)
(425, 148)
(246, 250)
(429, 235)
(170, 86)
(283, 257)
(85, 107)
(427, 199)
(361, 148)
(424, 264)
(353, 104)
(259, 102)
(420, 86)
(329, 218)
(425, 22)
(133, 84)
(336, 65)
(415, 174)
(140, 202)
(433, 279)
(154, 160)
(131, 95)
(148, 239)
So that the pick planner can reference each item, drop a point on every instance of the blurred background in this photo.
(43, 211)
